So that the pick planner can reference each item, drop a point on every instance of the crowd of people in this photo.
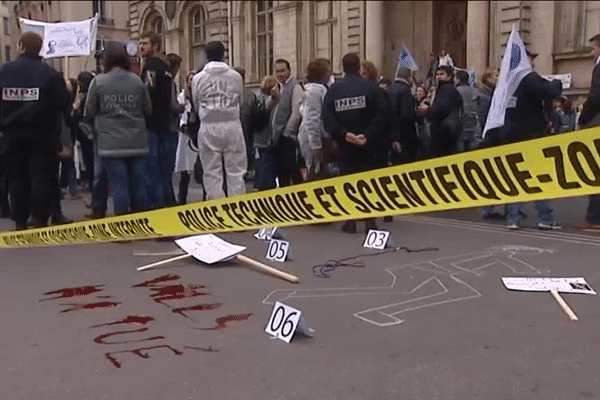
(137, 132)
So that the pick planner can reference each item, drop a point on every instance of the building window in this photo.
(6, 22)
(592, 20)
(324, 29)
(263, 12)
(6, 53)
(197, 38)
(157, 25)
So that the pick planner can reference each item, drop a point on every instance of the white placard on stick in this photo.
(265, 233)
(278, 250)
(286, 320)
(209, 248)
(564, 285)
(376, 239)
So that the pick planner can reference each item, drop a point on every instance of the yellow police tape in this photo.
(563, 165)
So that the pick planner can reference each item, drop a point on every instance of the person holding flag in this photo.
(517, 114)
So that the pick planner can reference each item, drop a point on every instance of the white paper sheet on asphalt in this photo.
(209, 248)
(565, 285)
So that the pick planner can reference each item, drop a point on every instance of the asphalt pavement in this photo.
(430, 321)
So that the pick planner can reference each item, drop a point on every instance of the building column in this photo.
(375, 33)
(478, 17)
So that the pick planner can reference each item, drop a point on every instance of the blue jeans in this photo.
(265, 172)
(160, 164)
(465, 145)
(67, 176)
(593, 211)
(126, 176)
(99, 184)
(542, 207)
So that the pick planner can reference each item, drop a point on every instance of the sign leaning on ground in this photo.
(565, 165)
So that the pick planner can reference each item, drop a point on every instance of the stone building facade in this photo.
(255, 33)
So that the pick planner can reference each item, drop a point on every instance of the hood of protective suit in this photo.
(217, 92)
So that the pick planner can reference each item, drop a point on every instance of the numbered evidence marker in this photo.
(209, 248)
(286, 320)
(377, 239)
(278, 250)
(265, 233)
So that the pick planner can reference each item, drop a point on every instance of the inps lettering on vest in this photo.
(350, 103)
(20, 94)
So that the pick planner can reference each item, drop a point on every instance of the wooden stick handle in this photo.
(563, 304)
(156, 264)
(266, 268)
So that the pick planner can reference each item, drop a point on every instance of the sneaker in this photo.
(512, 226)
(587, 227)
(349, 227)
(549, 226)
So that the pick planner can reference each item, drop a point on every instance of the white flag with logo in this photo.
(405, 59)
(515, 66)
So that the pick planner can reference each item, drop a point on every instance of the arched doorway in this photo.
(450, 30)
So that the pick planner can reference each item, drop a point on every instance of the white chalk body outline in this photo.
(449, 288)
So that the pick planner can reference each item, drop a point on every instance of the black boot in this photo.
(370, 224)
(349, 226)
(60, 219)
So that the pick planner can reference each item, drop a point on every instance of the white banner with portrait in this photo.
(63, 39)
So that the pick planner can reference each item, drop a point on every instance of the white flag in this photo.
(515, 66)
(405, 59)
(472, 77)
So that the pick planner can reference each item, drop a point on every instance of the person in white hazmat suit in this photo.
(217, 92)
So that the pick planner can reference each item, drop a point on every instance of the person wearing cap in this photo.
(217, 93)
(525, 119)
(590, 116)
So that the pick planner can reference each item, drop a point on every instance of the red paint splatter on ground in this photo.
(89, 306)
(130, 319)
(138, 352)
(199, 307)
(176, 292)
(101, 338)
(222, 321)
(72, 292)
(160, 279)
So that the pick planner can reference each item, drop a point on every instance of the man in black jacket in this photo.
(33, 95)
(403, 136)
(354, 114)
(162, 143)
(444, 114)
(590, 116)
(525, 119)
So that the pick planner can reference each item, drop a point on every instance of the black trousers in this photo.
(33, 180)
(4, 203)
